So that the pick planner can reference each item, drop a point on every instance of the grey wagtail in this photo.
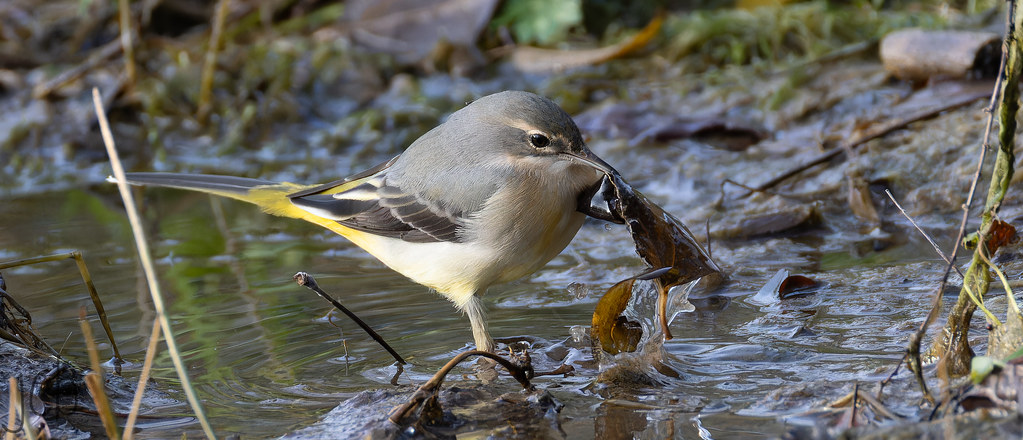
(487, 197)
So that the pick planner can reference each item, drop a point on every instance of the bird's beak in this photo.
(587, 157)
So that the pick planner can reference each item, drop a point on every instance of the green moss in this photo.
(778, 34)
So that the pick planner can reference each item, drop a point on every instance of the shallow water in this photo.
(265, 360)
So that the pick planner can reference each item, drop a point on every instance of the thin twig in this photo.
(148, 268)
(915, 341)
(855, 400)
(100, 310)
(304, 279)
(891, 376)
(878, 406)
(94, 383)
(857, 394)
(919, 229)
(344, 340)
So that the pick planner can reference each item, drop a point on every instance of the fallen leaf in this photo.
(615, 332)
(794, 284)
(412, 29)
(1000, 234)
(537, 60)
(783, 286)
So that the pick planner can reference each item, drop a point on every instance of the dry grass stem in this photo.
(147, 266)
(12, 413)
(94, 380)
(147, 367)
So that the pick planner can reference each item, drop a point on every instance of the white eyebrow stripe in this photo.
(522, 125)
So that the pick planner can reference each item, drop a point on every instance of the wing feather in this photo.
(371, 204)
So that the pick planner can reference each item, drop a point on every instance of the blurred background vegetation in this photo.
(369, 76)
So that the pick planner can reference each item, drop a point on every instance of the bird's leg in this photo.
(478, 322)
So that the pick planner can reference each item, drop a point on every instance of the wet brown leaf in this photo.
(1000, 234)
(615, 333)
(537, 60)
(794, 284)
(664, 243)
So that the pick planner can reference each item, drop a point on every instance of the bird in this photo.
(489, 196)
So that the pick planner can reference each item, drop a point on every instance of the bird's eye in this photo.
(538, 140)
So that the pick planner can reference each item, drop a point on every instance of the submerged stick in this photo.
(431, 386)
(304, 279)
(146, 259)
(885, 128)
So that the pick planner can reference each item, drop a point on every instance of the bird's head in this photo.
(532, 132)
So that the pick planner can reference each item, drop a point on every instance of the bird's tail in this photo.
(227, 186)
(271, 196)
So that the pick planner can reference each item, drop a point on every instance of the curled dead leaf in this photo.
(663, 242)
(615, 332)
(783, 286)
(793, 285)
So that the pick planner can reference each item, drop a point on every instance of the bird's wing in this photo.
(369, 202)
